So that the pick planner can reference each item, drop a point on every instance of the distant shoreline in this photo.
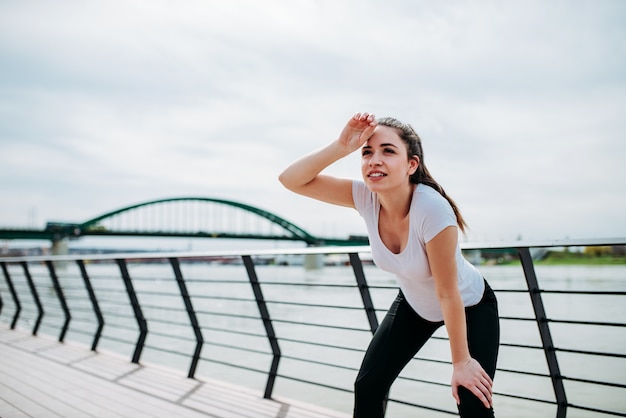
(581, 259)
(560, 258)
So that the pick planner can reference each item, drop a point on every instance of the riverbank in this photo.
(563, 258)
(574, 258)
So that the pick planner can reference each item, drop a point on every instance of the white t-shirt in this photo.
(430, 213)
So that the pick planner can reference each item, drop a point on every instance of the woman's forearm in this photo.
(302, 172)
(454, 319)
(441, 256)
(466, 371)
(306, 169)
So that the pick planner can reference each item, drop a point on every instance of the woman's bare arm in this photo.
(467, 372)
(304, 175)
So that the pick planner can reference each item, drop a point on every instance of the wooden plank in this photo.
(107, 366)
(29, 395)
(65, 391)
(33, 344)
(8, 411)
(14, 404)
(165, 384)
(41, 377)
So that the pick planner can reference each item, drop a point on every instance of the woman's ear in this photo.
(413, 164)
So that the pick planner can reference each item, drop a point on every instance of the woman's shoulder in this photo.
(427, 200)
(427, 194)
(358, 189)
(362, 196)
(431, 212)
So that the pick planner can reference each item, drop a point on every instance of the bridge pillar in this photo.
(59, 247)
(313, 261)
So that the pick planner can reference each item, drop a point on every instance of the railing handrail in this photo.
(156, 255)
(568, 242)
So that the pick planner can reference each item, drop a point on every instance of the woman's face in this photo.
(384, 161)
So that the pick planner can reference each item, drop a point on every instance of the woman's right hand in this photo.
(471, 375)
(357, 131)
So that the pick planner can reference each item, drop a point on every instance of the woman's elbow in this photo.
(288, 182)
(284, 179)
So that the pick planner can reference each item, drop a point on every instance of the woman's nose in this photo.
(375, 161)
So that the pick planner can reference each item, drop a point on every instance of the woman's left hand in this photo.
(471, 375)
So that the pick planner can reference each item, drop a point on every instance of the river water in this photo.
(570, 307)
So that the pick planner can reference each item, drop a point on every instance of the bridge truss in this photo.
(195, 217)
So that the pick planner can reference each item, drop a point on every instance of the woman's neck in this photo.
(397, 203)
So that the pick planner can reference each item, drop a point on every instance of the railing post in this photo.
(544, 331)
(61, 297)
(361, 281)
(16, 300)
(368, 304)
(94, 304)
(33, 291)
(141, 320)
(192, 316)
(267, 323)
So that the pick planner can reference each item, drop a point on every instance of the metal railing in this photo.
(247, 318)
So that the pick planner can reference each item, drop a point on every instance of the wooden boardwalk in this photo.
(40, 377)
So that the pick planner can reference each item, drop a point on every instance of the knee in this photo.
(366, 387)
(471, 406)
(369, 398)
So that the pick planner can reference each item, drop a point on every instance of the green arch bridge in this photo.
(187, 217)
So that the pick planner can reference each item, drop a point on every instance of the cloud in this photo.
(520, 105)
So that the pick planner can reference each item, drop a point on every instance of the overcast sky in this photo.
(521, 105)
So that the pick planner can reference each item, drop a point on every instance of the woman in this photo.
(413, 229)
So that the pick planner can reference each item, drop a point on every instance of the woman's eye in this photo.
(390, 151)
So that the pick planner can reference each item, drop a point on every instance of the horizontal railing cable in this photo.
(324, 345)
(233, 331)
(318, 325)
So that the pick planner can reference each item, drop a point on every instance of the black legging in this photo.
(400, 336)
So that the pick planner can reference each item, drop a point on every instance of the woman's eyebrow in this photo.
(382, 145)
